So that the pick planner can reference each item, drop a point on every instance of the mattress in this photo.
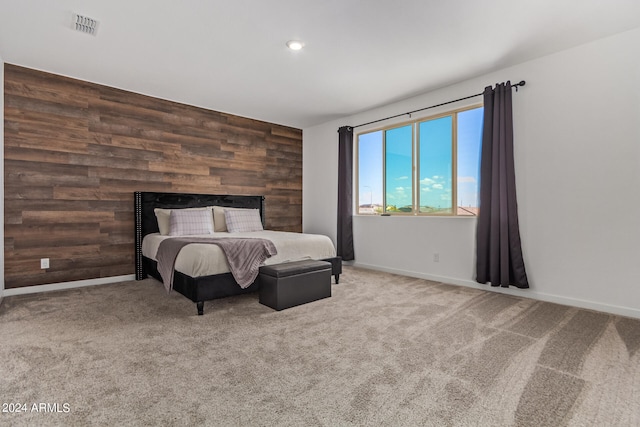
(198, 260)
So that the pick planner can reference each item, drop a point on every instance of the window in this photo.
(427, 167)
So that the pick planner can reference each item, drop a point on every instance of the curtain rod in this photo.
(521, 83)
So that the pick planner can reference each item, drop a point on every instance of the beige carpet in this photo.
(384, 350)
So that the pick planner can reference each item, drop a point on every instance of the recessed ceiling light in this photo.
(295, 44)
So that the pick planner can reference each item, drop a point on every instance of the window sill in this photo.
(413, 216)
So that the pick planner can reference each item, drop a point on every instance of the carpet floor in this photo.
(384, 350)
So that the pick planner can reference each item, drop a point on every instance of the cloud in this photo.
(427, 181)
(437, 186)
(402, 177)
(400, 189)
(469, 179)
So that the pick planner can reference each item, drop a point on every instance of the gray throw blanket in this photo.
(244, 256)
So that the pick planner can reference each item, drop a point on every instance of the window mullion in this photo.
(416, 169)
(454, 164)
(384, 172)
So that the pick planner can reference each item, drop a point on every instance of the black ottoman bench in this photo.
(294, 283)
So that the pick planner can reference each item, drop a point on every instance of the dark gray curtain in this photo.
(345, 193)
(499, 252)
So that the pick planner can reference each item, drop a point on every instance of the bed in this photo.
(207, 277)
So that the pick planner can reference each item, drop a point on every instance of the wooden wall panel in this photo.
(75, 152)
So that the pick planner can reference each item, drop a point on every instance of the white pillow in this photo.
(243, 220)
(219, 221)
(185, 222)
(162, 216)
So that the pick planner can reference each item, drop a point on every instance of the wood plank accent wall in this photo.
(76, 151)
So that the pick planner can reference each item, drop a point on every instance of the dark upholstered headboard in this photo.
(146, 202)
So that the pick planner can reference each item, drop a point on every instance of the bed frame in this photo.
(197, 289)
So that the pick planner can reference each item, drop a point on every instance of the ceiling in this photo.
(231, 55)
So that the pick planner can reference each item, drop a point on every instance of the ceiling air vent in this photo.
(85, 25)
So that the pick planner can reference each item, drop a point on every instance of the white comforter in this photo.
(197, 260)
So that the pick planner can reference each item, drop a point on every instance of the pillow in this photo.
(162, 216)
(185, 222)
(219, 222)
(243, 220)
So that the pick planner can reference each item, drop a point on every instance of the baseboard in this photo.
(66, 285)
(524, 293)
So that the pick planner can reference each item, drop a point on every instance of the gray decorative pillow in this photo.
(162, 216)
(185, 222)
(243, 220)
(219, 221)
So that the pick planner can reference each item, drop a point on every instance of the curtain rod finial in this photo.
(520, 83)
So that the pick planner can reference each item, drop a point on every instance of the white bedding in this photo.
(197, 260)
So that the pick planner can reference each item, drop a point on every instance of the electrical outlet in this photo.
(436, 257)
(44, 263)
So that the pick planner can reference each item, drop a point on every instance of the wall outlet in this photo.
(436, 257)
(44, 263)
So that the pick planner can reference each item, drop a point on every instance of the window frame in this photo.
(415, 169)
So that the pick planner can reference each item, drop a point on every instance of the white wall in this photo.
(577, 149)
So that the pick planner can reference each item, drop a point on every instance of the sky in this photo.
(469, 145)
(436, 157)
(434, 167)
(370, 176)
(398, 163)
